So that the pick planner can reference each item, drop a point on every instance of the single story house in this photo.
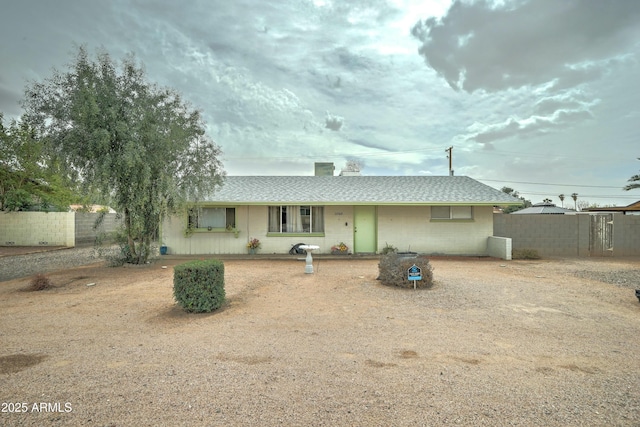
(426, 214)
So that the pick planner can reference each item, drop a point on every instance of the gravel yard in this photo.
(493, 343)
(26, 263)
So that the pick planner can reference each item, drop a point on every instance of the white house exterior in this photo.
(427, 214)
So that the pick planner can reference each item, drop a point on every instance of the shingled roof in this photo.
(358, 190)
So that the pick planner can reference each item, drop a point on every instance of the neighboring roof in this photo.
(543, 208)
(633, 207)
(354, 190)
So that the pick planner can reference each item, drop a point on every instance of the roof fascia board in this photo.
(307, 203)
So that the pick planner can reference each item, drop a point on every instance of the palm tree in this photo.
(561, 197)
(636, 182)
(574, 196)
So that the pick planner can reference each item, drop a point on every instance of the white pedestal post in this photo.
(308, 268)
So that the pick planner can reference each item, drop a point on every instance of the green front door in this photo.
(364, 229)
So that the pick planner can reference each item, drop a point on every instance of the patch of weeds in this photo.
(39, 282)
(389, 249)
(525, 254)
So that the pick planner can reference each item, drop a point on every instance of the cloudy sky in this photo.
(542, 96)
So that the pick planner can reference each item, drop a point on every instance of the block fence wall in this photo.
(626, 235)
(85, 222)
(51, 228)
(37, 229)
(566, 235)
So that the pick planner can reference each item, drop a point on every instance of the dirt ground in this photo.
(22, 250)
(492, 343)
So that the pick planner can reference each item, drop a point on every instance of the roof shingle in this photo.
(353, 190)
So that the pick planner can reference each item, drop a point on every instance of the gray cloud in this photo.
(530, 76)
(538, 59)
(527, 128)
(482, 46)
(566, 101)
(332, 122)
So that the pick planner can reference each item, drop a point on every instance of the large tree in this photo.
(509, 209)
(135, 142)
(29, 178)
(635, 180)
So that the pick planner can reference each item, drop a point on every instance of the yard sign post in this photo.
(414, 274)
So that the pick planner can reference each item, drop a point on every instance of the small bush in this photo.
(394, 269)
(198, 286)
(388, 249)
(40, 282)
(525, 254)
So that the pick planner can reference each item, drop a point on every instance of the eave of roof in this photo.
(357, 190)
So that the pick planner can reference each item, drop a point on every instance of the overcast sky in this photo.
(542, 96)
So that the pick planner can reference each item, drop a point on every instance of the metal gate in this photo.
(601, 235)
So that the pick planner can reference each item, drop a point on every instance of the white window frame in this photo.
(305, 219)
(455, 213)
(217, 224)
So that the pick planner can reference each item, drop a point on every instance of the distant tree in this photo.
(561, 197)
(574, 196)
(352, 166)
(585, 204)
(510, 191)
(635, 180)
(547, 200)
(29, 179)
(136, 143)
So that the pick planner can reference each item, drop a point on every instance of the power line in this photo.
(580, 196)
(545, 183)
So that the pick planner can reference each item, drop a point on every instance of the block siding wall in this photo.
(37, 229)
(405, 227)
(411, 229)
(252, 223)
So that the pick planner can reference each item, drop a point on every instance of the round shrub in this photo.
(39, 282)
(198, 286)
(394, 268)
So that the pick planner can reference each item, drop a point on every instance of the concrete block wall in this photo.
(405, 227)
(499, 247)
(411, 228)
(85, 222)
(549, 235)
(565, 235)
(37, 229)
(626, 235)
(252, 222)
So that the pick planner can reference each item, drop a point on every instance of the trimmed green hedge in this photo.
(198, 286)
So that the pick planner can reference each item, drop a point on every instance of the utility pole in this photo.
(450, 157)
